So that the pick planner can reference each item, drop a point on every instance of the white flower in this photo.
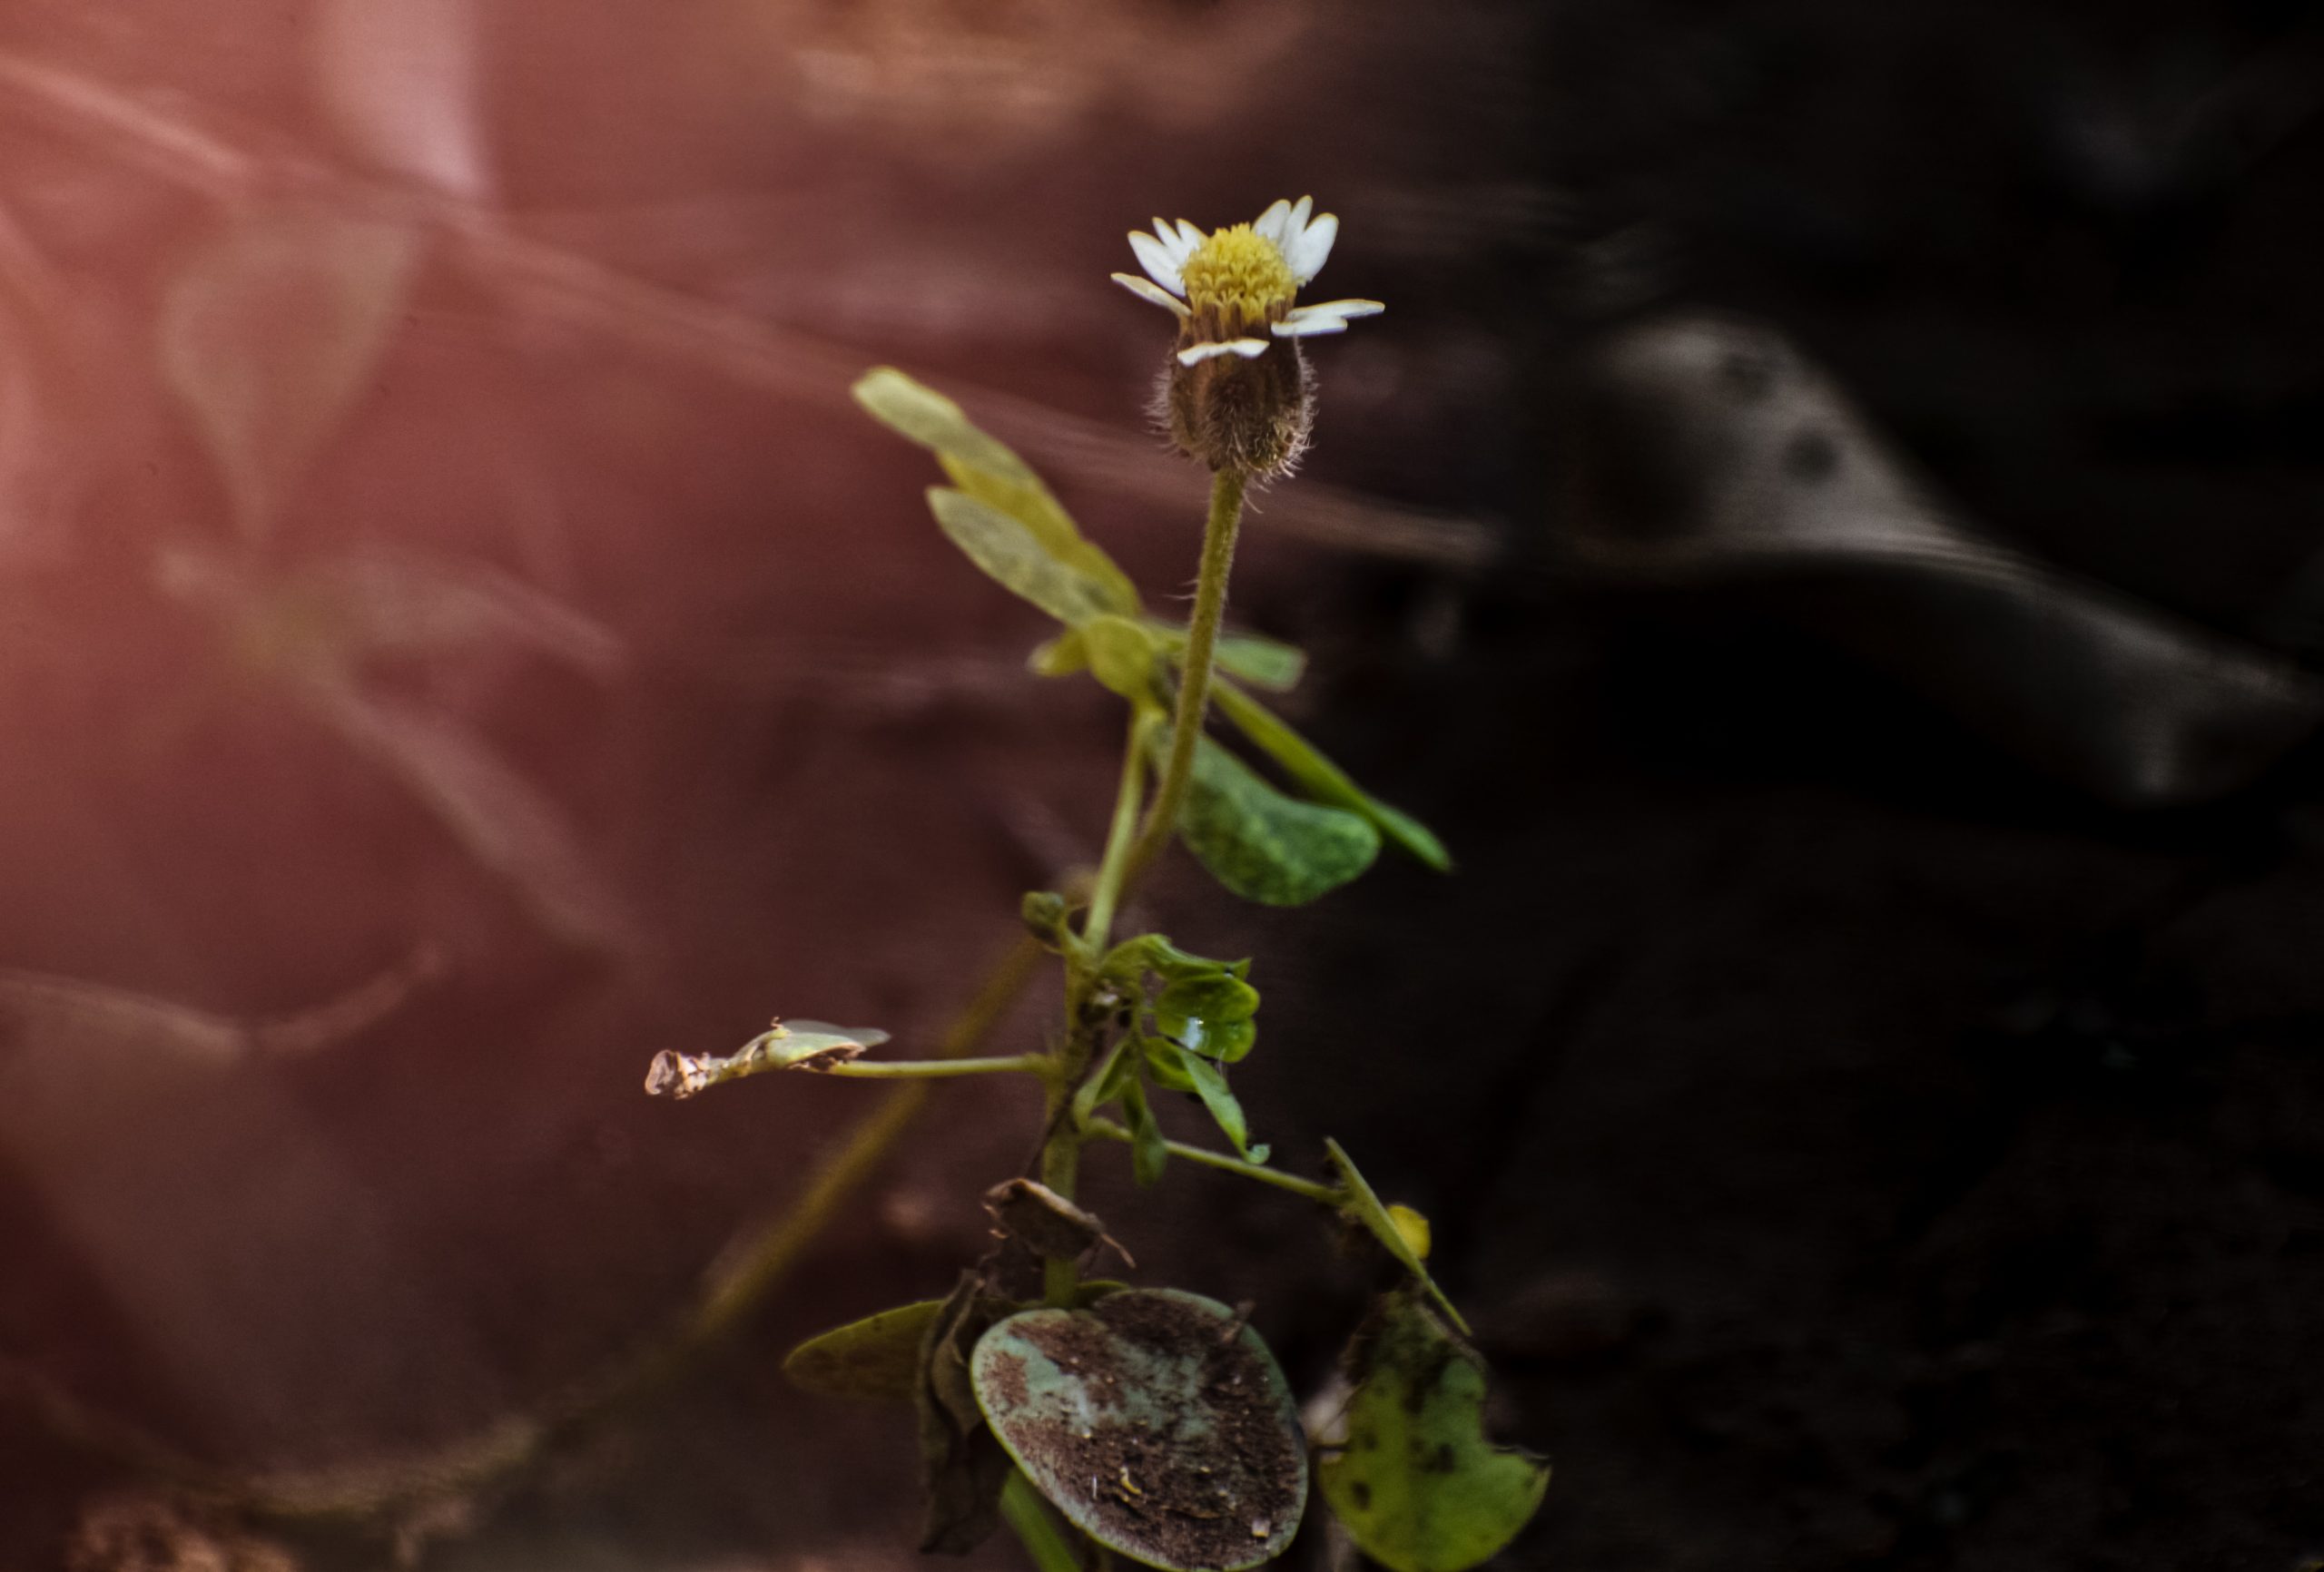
(1233, 291)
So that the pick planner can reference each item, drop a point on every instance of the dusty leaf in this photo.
(273, 330)
(1156, 1421)
(1417, 1483)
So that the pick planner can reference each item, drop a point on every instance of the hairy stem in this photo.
(1218, 535)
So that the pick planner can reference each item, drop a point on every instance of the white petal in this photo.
(1307, 253)
(1294, 223)
(1308, 326)
(1344, 309)
(1171, 242)
(1270, 222)
(1157, 261)
(1191, 238)
(1246, 348)
(1146, 290)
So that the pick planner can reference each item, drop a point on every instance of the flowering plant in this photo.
(1157, 1423)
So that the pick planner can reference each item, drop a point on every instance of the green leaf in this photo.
(1365, 1206)
(1121, 654)
(1150, 952)
(1156, 1421)
(985, 469)
(1322, 779)
(1015, 557)
(1163, 1066)
(1209, 1013)
(1216, 996)
(1148, 1155)
(1062, 656)
(1102, 1087)
(1262, 662)
(1257, 842)
(877, 1357)
(1416, 1484)
(1209, 1083)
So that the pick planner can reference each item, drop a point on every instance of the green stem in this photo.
(1218, 535)
(931, 1069)
(1322, 1194)
(1036, 1528)
(1120, 837)
(1128, 850)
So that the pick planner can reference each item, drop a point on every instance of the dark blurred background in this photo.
(1828, 529)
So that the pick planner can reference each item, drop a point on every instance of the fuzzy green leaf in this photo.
(1324, 780)
(985, 469)
(1015, 557)
(1416, 1484)
(1261, 844)
(1121, 654)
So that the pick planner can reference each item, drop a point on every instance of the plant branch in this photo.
(1121, 838)
(1321, 1193)
(936, 1069)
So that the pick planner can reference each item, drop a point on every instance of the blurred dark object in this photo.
(1717, 454)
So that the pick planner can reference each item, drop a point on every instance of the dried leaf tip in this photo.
(801, 1045)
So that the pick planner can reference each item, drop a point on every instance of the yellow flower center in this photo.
(1240, 273)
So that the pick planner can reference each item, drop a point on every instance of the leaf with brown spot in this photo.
(1417, 1483)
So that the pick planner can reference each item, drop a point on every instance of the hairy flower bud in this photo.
(1239, 395)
